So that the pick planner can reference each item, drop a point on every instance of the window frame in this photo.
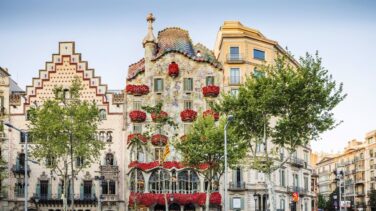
(256, 53)
(156, 88)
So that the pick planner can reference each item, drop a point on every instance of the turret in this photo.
(149, 42)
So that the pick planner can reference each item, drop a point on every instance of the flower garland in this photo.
(137, 90)
(188, 115)
(137, 116)
(173, 69)
(159, 139)
(199, 198)
(210, 91)
(159, 117)
(212, 113)
(136, 136)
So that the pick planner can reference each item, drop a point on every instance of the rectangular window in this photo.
(306, 183)
(209, 80)
(87, 189)
(234, 76)
(136, 105)
(258, 54)
(79, 161)
(158, 153)
(234, 92)
(306, 159)
(112, 187)
(188, 84)
(258, 73)
(19, 189)
(23, 137)
(282, 178)
(188, 104)
(44, 189)
(137, 128)
(158, 85)
(234, 53)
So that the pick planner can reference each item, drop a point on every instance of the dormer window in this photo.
(198, 54)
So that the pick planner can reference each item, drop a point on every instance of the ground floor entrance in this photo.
(175, 207)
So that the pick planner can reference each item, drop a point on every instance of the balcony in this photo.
(359, 181)
(110, 172)
(297, 162)
(236, 186)
(300, 190)
(52, 199)
(235, 58)
(360, 193)
(20, 169)
(360, 204)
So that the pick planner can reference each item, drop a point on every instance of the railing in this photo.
(235, 58)
(300, 190)
(297, 161)
(56, 198)
(360, 193)
(19, 192)
(110, 197)
(20, 169)
(237, 186)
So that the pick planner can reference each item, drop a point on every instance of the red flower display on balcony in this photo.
(148, 199)
(159, 117)
(137, 116)
(137, 90)
(136, 136)
(173, 69)
(210, 91)
(188, 115)
(158, 140)
(211, 113)
(166, 165)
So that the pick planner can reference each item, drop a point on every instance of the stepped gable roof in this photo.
(136, 68)
(175, 39)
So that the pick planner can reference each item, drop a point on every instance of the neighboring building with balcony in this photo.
(45, 187)
(243, 51)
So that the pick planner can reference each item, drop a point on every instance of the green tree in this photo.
(204, 146)
(287, 108)
(321, 201)
(63, 130)
(333, 202)
(372, 199)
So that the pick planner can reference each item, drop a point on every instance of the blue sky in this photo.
(109, 35)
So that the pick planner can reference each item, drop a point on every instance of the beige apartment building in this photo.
(357, 164)
(243, 51)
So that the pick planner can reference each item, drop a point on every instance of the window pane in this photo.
(234, 76)
(234, 92)
(188, 104)
(158, 84)
(234, 53)
(257, 54)
(188, 84)
(137, 128)
(136, 105)
(209, 80)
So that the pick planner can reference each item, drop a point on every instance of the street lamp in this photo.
(26, 161)
(230, 118)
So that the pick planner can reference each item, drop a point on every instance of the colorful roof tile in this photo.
(136, 68)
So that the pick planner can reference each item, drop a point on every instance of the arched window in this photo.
(188, 181)
(282, 204)
(102, 135)
(102, 114)
(159, 181)
(174, 180)
(137, 153)
(109, 136)
(110, 159)
(137, 181)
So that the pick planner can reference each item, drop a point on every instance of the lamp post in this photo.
(26, 161)
(229, 119)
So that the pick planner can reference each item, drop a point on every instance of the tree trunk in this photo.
(72, 170)
(207, 200)
(64, 194)
(271, 192)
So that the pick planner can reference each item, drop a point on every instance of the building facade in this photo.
(243, 51)
(45, 188)
(184, 77)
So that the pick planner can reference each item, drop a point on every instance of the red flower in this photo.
(215, 198)
(136, 136)
(143, 166)
(159, 117)
(188, 115)
(172, 164)
(137, 89)
(211, 113)
(210, 91)
(137, 116)
(173, 69)
(159, 139)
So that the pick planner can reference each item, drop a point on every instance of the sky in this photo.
(109, 35)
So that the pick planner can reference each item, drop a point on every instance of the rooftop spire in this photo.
(149, 36)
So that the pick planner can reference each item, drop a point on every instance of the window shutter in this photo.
(82, 191)
(18, 162)
(190, 84)
(37, 189)
(59, 191)
(49, 191)
(231, 205)
(155, 85)
(185, 84)
(242, 203)
(93, 190)
(233, 177)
